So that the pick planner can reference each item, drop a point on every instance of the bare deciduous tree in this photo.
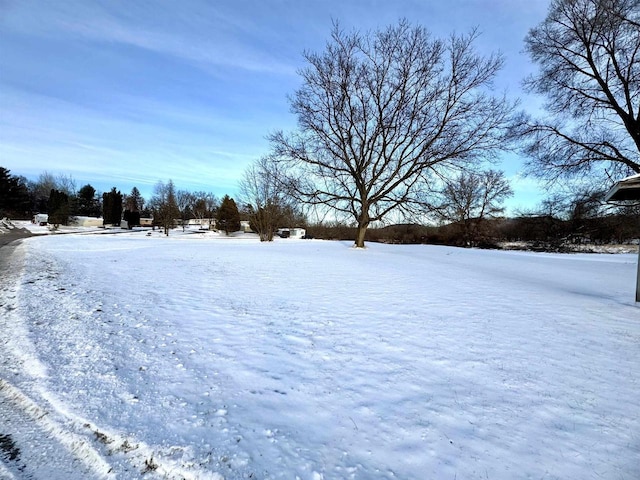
(164, 205)
(262, 190)
(379, 113)
(471, 198)
(41, 188)
(588, 52)
(185, 201)
(205, 206)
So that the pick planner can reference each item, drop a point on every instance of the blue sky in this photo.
(124, 93)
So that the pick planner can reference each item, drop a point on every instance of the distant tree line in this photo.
(557, 225)
(58, 197)
(467, 211)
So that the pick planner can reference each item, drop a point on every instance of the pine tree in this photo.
(58, 208)
(112, 207)
(134, 202)
(87, 202)
(14, 195)
(228, 215)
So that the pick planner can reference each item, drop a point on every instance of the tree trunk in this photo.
(363, 224)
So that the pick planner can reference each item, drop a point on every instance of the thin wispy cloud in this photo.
(153, 90)
(201, 35)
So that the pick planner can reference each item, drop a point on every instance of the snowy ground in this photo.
(195, 356)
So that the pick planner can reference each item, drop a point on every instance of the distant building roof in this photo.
(626, 189)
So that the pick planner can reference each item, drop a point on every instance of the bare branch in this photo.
(588, 52)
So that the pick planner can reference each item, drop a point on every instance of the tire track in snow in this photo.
(40, 436)
(51, 444)
(44, 448)
(34, 444)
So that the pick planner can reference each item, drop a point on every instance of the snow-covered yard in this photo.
(126, 356)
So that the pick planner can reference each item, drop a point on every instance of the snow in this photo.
(631, 177)
(205, 357)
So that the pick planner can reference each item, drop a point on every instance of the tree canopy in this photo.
(134, 201)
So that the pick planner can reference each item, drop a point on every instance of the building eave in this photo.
(626, 189)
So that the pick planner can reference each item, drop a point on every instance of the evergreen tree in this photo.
(14, 195)
(58, 208)
(87, 202)
(228, 215)
(112, 207)
(134, 202)
(132, 218)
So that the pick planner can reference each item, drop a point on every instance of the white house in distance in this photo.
(81, 221)
(291, 232)
(76, 221)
